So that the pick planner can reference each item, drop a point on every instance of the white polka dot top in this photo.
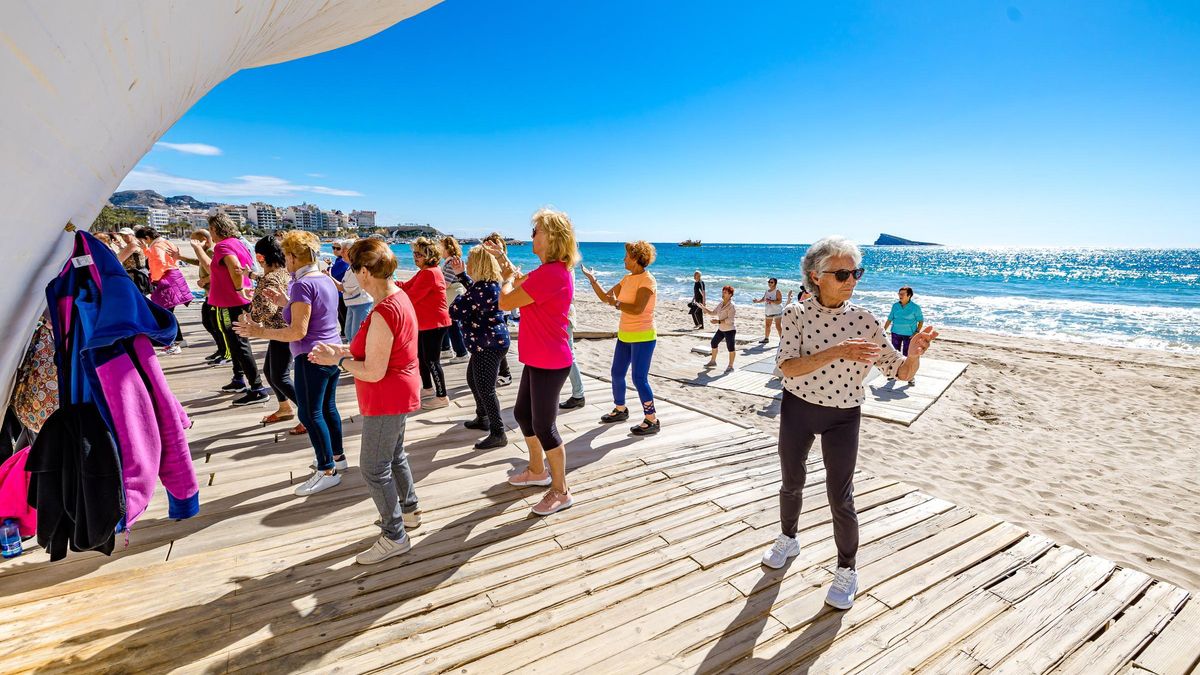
(808, 328)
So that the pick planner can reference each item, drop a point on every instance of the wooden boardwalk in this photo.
(654, 570)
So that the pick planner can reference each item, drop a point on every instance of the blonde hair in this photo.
(374, 256)
(427, 250)
(642, 251)
(482, 266)
(560, 236)
(451, 247)
(301, 245)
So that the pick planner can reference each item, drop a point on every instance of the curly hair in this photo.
(301, 245)
(450, 247)
(223, 226)
(560, 236)
(373, 255)
(428, 250)
(728, 289)
(641, 251)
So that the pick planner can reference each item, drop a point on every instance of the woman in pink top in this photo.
(544, 297)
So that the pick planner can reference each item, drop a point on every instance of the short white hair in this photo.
(819, 254)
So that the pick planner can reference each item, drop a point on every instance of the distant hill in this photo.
(410, 231)
(893, 240)
(152, 200)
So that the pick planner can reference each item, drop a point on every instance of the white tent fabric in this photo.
(88, 87)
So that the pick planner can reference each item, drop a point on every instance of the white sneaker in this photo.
(435, 403)
(784, 547)
(460, 359)
(841, 592)
(339, 464)
(382, 549)
(503, 380)
(426, 393)
(411, 520)
(317, 482)
(172, 350)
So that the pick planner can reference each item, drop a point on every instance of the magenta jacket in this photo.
(136, 392)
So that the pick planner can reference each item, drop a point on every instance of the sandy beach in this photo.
(1094, 446)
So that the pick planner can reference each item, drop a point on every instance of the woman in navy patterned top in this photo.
(486, 335)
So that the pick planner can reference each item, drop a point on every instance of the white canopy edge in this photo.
(89, 87)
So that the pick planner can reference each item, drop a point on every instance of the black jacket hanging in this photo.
(75, 482)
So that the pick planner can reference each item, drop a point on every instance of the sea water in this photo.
(1146, 298)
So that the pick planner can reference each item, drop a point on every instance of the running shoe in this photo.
(845, 586)
(784, 547)
(553, 502)
(251, 397)
(525, 478)
(236, 385)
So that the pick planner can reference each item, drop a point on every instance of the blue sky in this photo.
(970, 123)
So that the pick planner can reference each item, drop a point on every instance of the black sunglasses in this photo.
(843, 275)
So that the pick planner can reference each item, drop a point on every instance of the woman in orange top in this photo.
(170, 288)
(634, 296)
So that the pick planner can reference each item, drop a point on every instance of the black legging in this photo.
(697, 313)
(481, 378)
(429, 357)
(537, 404)
(239, 347)
(208, 318)
(799, 422)
(277, 369)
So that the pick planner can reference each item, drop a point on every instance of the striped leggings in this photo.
(481, 378)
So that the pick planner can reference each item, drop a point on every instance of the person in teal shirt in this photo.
(905, 320)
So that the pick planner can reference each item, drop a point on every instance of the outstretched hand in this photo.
(274, 296)
(589, 272)
(456, 265)
(246, 327)
(921, 341)
(857, 349)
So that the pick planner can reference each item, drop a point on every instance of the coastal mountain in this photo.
(411, 231)
(152, 200)
(893, 240)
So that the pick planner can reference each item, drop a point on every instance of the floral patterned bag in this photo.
(35, 396)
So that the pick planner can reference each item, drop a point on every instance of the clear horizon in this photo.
(992, 124)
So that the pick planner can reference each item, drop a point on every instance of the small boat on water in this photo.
(690, 242)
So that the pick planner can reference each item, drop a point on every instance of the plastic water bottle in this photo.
(10, 539)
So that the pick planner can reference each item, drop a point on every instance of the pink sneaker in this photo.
(526, 478)
(553, 502)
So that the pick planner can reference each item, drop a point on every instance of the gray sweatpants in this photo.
(384, 466)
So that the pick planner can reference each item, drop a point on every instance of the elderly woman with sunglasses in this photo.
(827, 348)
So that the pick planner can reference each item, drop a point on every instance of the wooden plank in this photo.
(1115, 648)
(1078, 623)
(1176, 650)
(1037, 611)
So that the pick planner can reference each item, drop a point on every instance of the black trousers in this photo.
(239, 347)
(208, 319)
(429, 359)
(536, 409)
(277, 369)
(799, 422)
(697, 314)
(482, 370)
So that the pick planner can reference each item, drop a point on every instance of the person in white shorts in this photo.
(773, 299)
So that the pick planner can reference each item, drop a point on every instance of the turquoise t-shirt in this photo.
(905, 318)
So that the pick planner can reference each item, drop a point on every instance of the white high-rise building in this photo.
(304, 217)
(263, 216)
(363, 220)
(157, 218)
(333, 220)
